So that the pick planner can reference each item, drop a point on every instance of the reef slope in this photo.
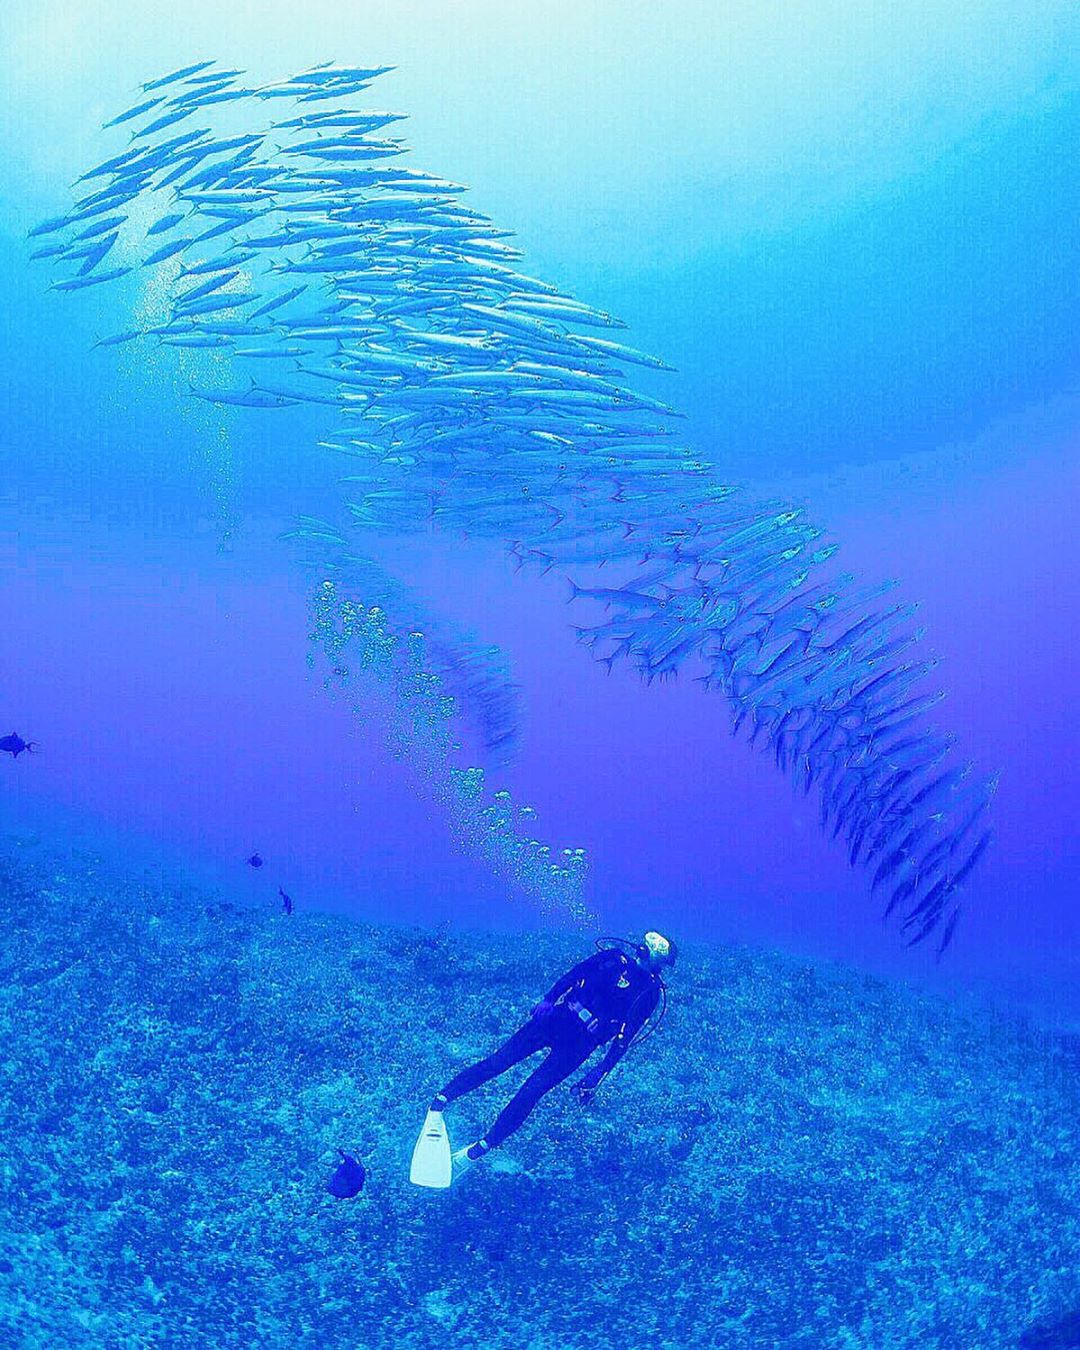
(801, 1157)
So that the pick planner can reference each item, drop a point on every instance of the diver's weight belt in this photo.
(579, 1010)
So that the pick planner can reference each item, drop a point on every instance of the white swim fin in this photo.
(431, 1164)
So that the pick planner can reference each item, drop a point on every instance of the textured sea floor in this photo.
(802, 1158)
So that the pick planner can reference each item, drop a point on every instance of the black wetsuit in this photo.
(607, 997)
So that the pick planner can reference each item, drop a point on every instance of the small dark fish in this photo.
(348, 1178)
(286, 901)
(15, 745)
(255, 861)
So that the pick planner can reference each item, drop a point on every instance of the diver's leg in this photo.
(524, 1042)
(564, 1058)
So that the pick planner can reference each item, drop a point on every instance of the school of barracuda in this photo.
(474, 398)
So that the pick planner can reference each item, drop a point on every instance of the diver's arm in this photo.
(639, 1014)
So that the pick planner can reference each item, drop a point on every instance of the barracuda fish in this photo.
(195, 340)
(366, 121)
(278, 352)
(78, 283)
(166, 222)
(101, 227)
(224, 227)
(277, 301)
(214, 304)
(197, 88)
(215, 76)
(471, 402)
(245, 398)
(168, 119)
(132, 112)
(168, 250)
(229, 327)
(95, 253)
(619, 352)
(219, 264)
(181, 74)
(563, 311)
(212, 283)
(208, 99)
(228, 197)
(118, 339)
(346, 151)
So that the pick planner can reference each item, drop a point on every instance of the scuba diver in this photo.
(608, 997)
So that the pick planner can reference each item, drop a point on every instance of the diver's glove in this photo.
(539, 1009)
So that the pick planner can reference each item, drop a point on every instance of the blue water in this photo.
(330, 625)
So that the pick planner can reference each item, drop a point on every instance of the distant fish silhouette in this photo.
(348, 1178)
(286, 901)
(255, 860)
(15, 745)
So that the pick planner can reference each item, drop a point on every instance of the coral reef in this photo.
(803, 1157)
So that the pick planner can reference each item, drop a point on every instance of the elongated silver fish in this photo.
(471, 402)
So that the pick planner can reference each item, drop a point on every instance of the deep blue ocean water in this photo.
(852, 236)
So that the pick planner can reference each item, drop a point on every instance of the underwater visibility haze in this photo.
(569, 499)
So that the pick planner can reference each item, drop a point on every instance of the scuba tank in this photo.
(610, 943)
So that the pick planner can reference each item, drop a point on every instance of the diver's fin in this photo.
(431, 1156)
(460, 1160)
